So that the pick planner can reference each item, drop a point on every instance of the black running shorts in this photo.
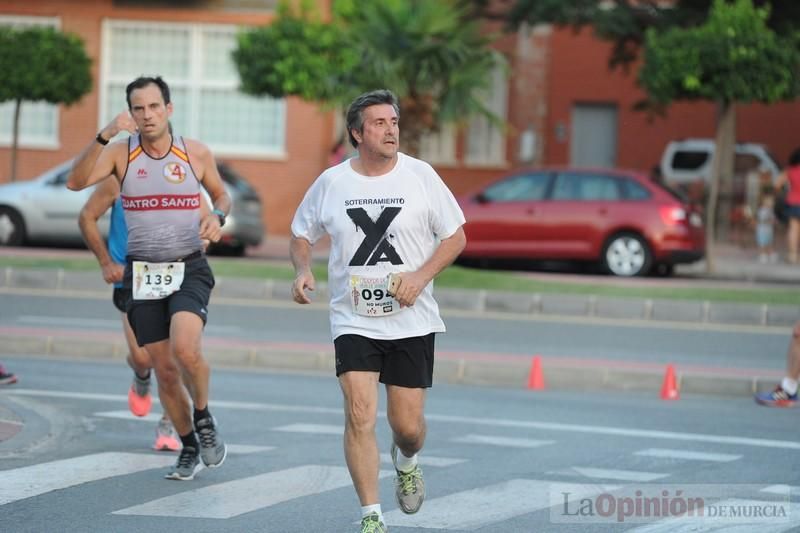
(404, 362)
(121, 297)
(150, 319)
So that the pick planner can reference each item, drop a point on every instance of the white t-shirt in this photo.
(379, 225)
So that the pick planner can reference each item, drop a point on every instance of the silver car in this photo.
(44, 211)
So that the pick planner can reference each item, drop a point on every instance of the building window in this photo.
(38, 121)
(486, 142)
(203, 84)
(439, 148)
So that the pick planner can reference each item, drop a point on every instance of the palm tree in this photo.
(429, 52)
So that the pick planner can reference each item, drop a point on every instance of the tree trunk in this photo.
(15, 139)
(721, 186)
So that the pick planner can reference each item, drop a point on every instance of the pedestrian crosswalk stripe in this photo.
(687, 454)
(502, 441)
(620, 475)
(428, 460)
(480, 507)
(241, 449)
(787, 490)
(28, 481)
(728, 523)
(327, 429)
(127, 415)
(233, 498)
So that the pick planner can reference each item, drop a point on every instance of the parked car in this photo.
(622, 220)
(44, 211)
(688, 160)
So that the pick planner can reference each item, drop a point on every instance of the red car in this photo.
(625, 221)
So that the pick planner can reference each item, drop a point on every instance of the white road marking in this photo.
(127, 415)
(783, 490)
(428, 460)
(28, 481)
(480, 507)
(474, 421)
(502, 441)
(686, 454)
(319, 429)
(233, 498)
(731, 524)
(620, 475)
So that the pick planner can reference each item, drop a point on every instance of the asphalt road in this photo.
(496, 460)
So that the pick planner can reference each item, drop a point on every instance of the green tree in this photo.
(732, 58)
(428, 52)
(622, 22)
(40, 64)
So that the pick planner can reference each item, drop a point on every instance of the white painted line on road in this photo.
(686, 454)
(615, 431)
(319, 429)
(71, 322)
(509, 442)
(783, 490)
(241, 449)
(233, 498)
(480, 507)
(29, 481)
(620, 475)
(428, 460)
(473, 421)
(744, 521)
(127, 415)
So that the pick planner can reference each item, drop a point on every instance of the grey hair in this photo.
(355, 113)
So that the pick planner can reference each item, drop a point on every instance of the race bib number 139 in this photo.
(370, 296)
(155, 281)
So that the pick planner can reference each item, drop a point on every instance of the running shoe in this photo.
(187, 466)
(139, 398)
(777, 398)
(372, 524)
(212, 448)
(6, 377)
(167, 438)
(409, 487)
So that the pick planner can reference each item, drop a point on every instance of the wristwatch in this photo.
(220, 216)
(100, 139)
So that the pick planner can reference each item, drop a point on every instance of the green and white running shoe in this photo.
(409, 487)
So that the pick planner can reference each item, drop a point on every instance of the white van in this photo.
(689, 160)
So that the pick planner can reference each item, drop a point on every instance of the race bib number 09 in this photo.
(156, 281)
(370, 296)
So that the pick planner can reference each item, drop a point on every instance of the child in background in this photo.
(765, 229)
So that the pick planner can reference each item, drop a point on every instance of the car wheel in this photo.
(627, 254)
(12, 227)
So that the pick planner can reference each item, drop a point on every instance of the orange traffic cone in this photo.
(535, 377)
(669, 390)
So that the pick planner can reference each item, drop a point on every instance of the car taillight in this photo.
(672, 215)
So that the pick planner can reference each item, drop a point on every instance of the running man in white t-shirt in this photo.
(386, 213)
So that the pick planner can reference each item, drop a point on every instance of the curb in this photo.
(451, 368)
(480, 301)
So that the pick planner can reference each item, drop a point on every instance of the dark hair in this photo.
(355, 113)
(794, 159)
(144, 81)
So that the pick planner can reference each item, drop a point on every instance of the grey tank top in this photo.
(161, 199)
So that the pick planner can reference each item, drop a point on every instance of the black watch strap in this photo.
(220, 216)
(100, 139)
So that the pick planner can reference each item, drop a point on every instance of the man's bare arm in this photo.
(412, 283)
(97, 162)
(300, 253)
(98, 203)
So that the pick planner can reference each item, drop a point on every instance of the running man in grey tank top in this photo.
(160, 176)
